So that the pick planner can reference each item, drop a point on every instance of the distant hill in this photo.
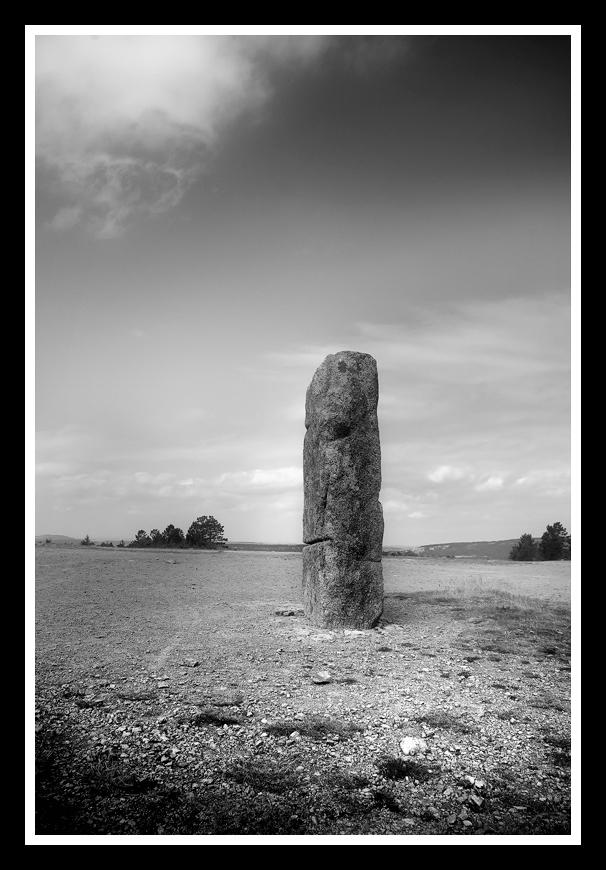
(470, 549)
(254, 545)
(457, 550)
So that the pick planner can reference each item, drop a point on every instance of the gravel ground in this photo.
(182, 693)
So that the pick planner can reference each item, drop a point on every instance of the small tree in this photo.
(205, 532)
(173, 537)
(86, 542)
(555, 543)
(141, 539)
(121, 543)
(525, 550)
(156, 538)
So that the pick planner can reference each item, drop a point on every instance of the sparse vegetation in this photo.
(391, 767)
(316, 727)
(204, 533)
(554, 544)
(262, 774)
(133, 738)
(526, 550)
(446, 721)
(211, 716)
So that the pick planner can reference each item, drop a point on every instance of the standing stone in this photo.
(342, 516)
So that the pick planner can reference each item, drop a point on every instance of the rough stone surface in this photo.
(342, 516)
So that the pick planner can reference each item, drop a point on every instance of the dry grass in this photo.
(402, 768)
(316, 727)
(112, 625)
(446, 722)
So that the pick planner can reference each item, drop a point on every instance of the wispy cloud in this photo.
(491, 485)
(447, 472)
(125, 124)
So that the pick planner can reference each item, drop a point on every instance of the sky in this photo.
(217, 212)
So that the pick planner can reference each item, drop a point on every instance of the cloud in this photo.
(490, 485)
(447, 472)
(544, 476)
(263, 480)
(125, 124)
(417, 515)
(393, 505)
(66, 450)
(494, 341)
(239, 490)
(66, 218)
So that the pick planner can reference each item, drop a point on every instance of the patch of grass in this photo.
(112, 779)
(496, 646)
(283, 728)
(558, 742)
(509, 624)
(537, 817)
(108, 775)
(445, 721)
(337, 780)
(384, 800)
(210, 716)
(391, 767)
(71, 692)
(263, 775)
(547, 702)
(86, 705)
(506, 715)
(316, 727)
(560, 759)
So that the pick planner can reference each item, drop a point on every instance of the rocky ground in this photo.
(184, 693)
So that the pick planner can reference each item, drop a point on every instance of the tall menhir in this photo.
(342, 515)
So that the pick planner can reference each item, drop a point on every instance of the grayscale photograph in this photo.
(301, 310)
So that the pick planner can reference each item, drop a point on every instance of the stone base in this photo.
(338, 590)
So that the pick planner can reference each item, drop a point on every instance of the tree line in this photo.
(205, 532)
(553, 545)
